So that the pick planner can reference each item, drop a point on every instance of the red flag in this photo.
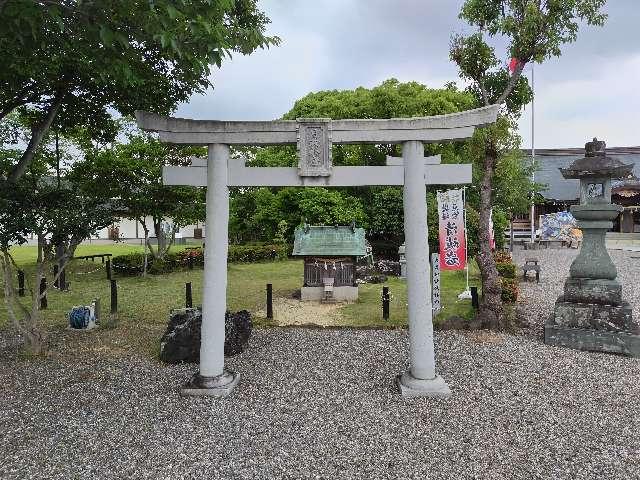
(513, 64)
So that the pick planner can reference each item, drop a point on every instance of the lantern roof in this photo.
(596, 164)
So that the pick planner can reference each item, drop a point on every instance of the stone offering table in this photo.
(591, 315)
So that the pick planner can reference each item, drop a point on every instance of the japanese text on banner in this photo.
(451, 230)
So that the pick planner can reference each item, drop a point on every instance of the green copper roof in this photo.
(329, 241)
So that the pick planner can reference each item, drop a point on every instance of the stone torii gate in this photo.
(314, 138)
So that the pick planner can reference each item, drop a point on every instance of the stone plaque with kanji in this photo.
(314, 147)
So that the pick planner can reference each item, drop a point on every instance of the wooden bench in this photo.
(93, 257)
(531, 264)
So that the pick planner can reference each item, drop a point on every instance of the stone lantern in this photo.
(591, 314)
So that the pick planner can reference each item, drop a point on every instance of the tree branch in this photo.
(37, 135)
(512, 83)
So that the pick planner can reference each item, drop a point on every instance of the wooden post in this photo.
(474, 297)
(114, 297)
(56, 282)
(43, 289)
(20, 283)
(108, 268)
(385, 302)
(188, 297)
(269, 301)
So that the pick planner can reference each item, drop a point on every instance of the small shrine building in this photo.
(330, 254)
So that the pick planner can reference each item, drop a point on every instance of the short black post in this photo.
(385, 303)
(269, 301)
(188, 297)
(96, 311)
(108, 268)
(114, 297)
(20, 283)
(43, 290)
(56, 282)
(474, 297)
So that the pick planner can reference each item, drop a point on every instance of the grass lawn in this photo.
(144, 302)
(367, 311)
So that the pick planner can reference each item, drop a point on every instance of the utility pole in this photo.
(533, 155)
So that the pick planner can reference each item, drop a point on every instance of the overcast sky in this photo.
(592, 90)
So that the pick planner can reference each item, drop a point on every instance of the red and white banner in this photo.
(453, 248)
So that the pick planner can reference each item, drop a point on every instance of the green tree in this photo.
(130, 175)
(535, 31)
(71, 61)
(60, 217)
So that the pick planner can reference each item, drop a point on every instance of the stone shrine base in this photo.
(220, 386)
(340, 294)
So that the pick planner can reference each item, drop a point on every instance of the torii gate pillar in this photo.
(421, 378)
(213, 379)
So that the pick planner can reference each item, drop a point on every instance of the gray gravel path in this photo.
(322, 404)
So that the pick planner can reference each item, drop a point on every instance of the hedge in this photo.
(133, 263)
(506, 270)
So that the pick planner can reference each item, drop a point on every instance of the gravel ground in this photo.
(322, 404)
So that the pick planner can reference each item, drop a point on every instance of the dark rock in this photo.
(237, 331)
(181, 340)
(297, 294)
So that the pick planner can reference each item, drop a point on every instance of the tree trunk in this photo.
(490, 312)
(38, 133)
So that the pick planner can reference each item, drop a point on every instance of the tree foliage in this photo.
(71, 61)
(129, 174)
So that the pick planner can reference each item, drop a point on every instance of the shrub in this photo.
(257, 253)
(133, 263)
(509, 290)
(506, 270)
(130, 264)
(501, 256)
(194, 256)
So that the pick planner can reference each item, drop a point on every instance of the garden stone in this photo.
(181, 340)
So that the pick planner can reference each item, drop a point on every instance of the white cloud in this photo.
(603, 102)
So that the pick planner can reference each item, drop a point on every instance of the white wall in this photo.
(127, 229)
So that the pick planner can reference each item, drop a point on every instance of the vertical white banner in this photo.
(452, 236)
(435, 282)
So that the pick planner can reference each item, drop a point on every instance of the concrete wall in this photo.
(127, 229)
